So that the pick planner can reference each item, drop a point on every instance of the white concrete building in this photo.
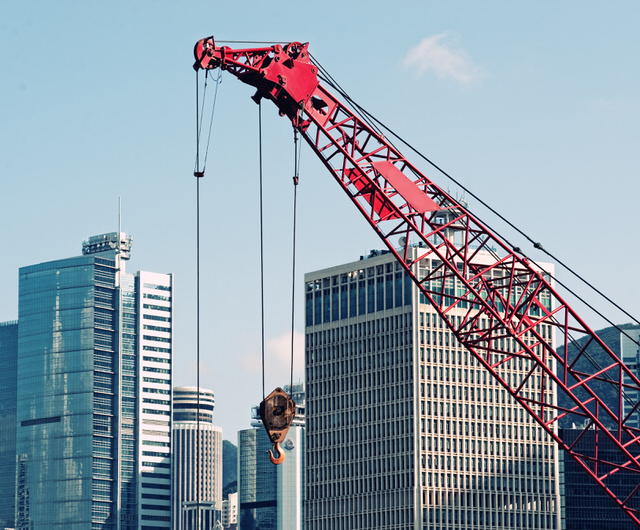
(197, 479)
(405, 430)
(230, 512)
(155, 331)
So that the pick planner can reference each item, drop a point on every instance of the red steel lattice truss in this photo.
(515, 298)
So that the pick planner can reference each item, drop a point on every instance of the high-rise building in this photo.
(93, 439)
(405, 430)
(8, 394)
(584, 505)
(630, 355)
(197, 456)
(271, 497)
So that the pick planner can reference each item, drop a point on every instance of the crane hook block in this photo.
(277, 411)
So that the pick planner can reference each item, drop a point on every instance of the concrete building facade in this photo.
(405, 430)
(197, 442)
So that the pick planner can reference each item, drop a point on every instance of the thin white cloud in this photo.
(442, 55)
(279, 350)
(277, 359)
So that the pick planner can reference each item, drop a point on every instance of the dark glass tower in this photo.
(92, 374)
(8, 389)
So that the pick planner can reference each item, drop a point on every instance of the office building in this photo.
(93, 439)
(405, 430)
(197, 444)
(230, 512)
(585, 506)
(8, 394)
(630, 355)
(271, 497)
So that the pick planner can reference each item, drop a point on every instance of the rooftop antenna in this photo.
(119, 232)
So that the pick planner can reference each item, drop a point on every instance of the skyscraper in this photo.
(585, 505)
(197, 444)
(94, 389)
(271, 497)
(405, 430)
(8, 394)
(630, 355)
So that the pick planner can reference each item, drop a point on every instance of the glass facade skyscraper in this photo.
(93, 393)
(8, 389)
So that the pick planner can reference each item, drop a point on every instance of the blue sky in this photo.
(534, 106)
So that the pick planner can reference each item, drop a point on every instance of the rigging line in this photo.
(218, 81)
(261, 246)
(366, 114)
(368, 118)
(198, 174)
(535, 244)
(198, 351)
(199, 120)
(197, 163)
(296, 177)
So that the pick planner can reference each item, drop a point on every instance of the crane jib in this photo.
(504, 296)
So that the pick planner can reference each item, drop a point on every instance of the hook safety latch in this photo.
(277, 411)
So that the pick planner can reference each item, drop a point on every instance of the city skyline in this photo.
(545, 98)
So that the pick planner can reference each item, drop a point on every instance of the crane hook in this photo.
(276, 459)
(277, 411)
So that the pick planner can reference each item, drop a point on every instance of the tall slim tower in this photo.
(197, 442)
(405, 430)
(94, 389)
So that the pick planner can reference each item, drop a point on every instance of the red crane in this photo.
(514, 297)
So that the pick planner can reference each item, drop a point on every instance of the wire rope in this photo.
(262, 327)
(296, 178)
(325, 76)
(198, 174)
(373, 122)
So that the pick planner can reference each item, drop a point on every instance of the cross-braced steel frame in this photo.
(511, 308)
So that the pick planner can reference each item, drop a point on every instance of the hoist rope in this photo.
(372, 120)
(198, 174)
(296, 177)
(262, 331)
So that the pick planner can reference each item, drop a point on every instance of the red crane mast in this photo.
(507, 299)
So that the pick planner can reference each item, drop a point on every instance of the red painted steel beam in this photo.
(510, 306)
